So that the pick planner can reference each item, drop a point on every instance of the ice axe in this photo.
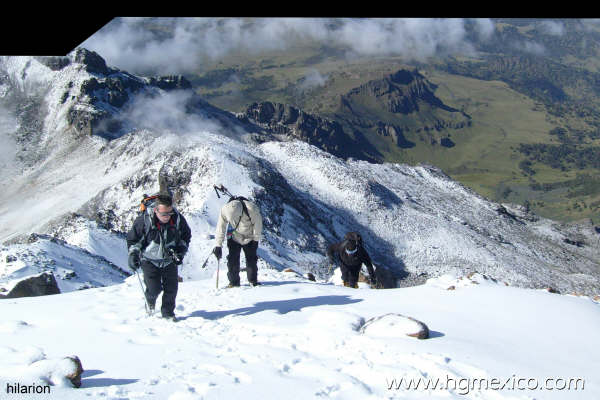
(223, 190)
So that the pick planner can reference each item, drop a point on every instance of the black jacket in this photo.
(155, 240)
(350, 261)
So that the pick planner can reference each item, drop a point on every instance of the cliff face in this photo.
(288, 121)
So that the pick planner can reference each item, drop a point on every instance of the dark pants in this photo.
(161, 279)
(233, 261)
(350, 273)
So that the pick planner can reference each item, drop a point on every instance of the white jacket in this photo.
(244, 229)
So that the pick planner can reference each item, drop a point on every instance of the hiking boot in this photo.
(346, 284)
(149, 308)
(232, 286)
(170, 317)
(255, 283)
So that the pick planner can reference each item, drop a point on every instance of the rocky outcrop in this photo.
(92, 61)
(403, 92)
(38, 285)
(286, 120)
(54, 63)
(74, 374)
(97, 108)
(399, 104)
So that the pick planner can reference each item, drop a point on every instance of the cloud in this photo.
(312, 80)
(166, 113)
(530, 47)
(180, 45)
(553, 28)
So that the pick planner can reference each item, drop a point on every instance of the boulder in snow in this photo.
(62, 372)
(74, 375)
(395, 325)
(37, 285)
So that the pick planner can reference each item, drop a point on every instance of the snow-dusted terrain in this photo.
(415, 220)
(78, 194)
(295, 339)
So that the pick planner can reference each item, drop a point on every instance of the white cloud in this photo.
(530, 47)
(553, 28)
(166, 112)
(127, 43)
(312, 80)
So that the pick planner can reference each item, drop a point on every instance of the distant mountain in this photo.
(403, 106)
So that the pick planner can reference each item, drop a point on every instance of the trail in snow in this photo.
(291, 338)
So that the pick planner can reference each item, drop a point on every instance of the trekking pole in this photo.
(218, 262)
(143, 292)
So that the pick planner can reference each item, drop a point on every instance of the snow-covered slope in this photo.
(416, 222)
(295, 339)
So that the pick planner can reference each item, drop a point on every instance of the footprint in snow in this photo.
(13, 326)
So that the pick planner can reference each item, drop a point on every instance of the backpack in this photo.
(244, 208)
(147, 202)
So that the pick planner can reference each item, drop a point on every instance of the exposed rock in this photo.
(452, 288)
(54, 63)
(578, 243)
(312, 278)
(171, 82)
(552, 290)
(287, 121)
(92, 61)
(38, 285)
(77, 370)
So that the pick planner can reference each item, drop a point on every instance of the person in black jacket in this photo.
(158, 242)
(350, 255)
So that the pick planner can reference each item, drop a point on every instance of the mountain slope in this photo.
(416, 221)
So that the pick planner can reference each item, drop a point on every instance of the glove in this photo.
(177, 257)
(254, 244)
(134, 260)
(217, 252)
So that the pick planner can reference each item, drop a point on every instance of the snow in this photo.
(292, 338)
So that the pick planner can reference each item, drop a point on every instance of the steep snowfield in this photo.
(295, 339)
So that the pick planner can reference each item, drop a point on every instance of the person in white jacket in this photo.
(240, 220)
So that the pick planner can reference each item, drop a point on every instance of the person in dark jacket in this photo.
(350, 255)
(158, 242)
